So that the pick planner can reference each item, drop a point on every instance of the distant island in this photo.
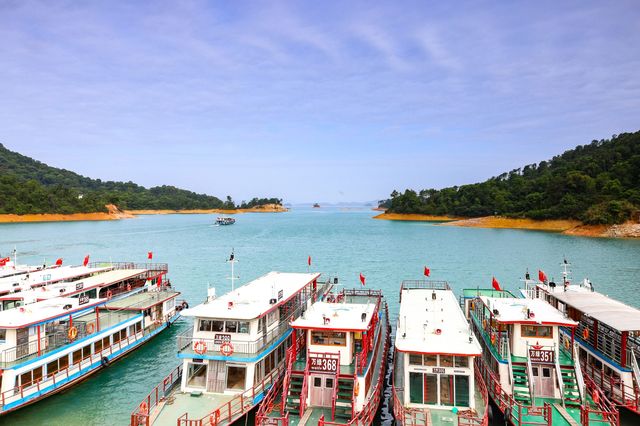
(590, 190)
(33, 191)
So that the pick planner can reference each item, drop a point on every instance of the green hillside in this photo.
(29, 186)
(597, 183)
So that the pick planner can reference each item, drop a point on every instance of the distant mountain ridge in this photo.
(29, 186)
(598, 183)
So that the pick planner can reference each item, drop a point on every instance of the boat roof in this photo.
(43, 276)
(421, 316)
(43, 311)
(252, 300)
(514, 310)
(343, 316)
(600, 307)
(141, 301)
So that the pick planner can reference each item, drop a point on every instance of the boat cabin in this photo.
(434, 358)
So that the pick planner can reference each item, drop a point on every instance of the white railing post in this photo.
(530, 376)
(578, 370)
(558, 372)
(509, 361)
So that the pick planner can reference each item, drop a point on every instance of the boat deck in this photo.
(178, 403)
(141, 301)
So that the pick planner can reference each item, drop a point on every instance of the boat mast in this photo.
(232, 260)
(565, 272)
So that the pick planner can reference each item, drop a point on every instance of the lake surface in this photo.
(342, 242)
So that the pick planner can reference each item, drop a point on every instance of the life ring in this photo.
(128, 287)
(184, 305)
(484, 324)
(438, 331)
(104, 361)
(90, 328)
(498, 389)
(144, 409)
(226, 349)
(356, 389)
(493, 338)
(585, 334)
(109, 294)
(566, 343)
(72, 333)
(200, 347)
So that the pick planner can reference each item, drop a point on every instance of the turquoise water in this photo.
(342, 242)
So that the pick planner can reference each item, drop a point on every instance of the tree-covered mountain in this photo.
(597, 183)
(29, 186)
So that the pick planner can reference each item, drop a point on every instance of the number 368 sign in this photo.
(324, 365)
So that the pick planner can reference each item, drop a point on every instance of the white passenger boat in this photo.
(49, 345)
(225, 221)
(435, 381)
(335, 372)
(9, 267)
(531, 375)
(607, 335)
(233, 354)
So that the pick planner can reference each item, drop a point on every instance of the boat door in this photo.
(216, 376)
(321, 390)
(22, 342)
(543, 380)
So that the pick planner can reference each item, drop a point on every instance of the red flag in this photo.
(362, 279)
(542, 276)
(4, 261)
(59, 262)
(150, 255)
(427, 271)
(495, 284)
(86, 260)
(309, 261)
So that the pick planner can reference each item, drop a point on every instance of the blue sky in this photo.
(307, 100)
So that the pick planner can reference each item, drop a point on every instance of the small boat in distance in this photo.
(316, 205)
(225, 221)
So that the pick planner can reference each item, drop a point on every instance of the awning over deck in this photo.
(603, 309)
(141, 301)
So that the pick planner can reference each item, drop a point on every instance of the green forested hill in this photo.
(29, 186)
(596, 183)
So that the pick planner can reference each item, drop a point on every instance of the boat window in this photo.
(461, 361)
(542, 331)
(196, 375)
(3, 336)
(37, 374)
(97, 346)
(138, 327)
(272, 317)
(63, 362)
(328, 338)
(546, 372)
(328, 383)
(205, 325)
(243, 327)
(317, 382)
(86, 352)
(106, 342)
(431, 360)
(535, 371)
(415, 387)
(235, 377)
(52, 367)
(446, 361)
(123, 334)
(231, 326)
(77, 356)
(462, 391)
(431, 385)
(217, 325)
(415, 359)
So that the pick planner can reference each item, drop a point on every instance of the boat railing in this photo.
(187, 342)
(556, 353)
(514, 411)
(620, 392)
(578, 370)
(604, 412)
(635, 368)
(509, 363)
(58, 336)
(236, 407)
(471, 417)
(150, 266)
(141, 415)
(532, 386)
(61, 377)
(424, 285)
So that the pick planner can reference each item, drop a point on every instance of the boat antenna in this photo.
(15, 256)
(232, 260)
(565, 271)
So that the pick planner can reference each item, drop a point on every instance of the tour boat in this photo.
(607, 335)
(234, 353)
(532, 376)
(225, 221)
(435, 381)
(336, 368)
(49, 345)
(316, 205)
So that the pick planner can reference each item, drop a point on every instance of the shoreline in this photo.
(564, 226)
(116, 214)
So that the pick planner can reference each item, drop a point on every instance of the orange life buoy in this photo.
(200, 347)
(144, 409)
(585, 334)
(493, 338)
(484, 324)
(90, 328)
(72, 333)
(356, 389)
(226, 349)
(566, 343)
(109, 294)
(128, 287)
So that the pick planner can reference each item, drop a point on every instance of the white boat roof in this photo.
(42, 311)
(252, 299)
(421, 316)
(101, 279)
(42, 276)
(599, 307)
(342, 316)
(514, 310)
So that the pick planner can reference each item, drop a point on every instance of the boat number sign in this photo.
(438, 370)
(324, 365)
(541, 356)
(219, 339)
(280, 294)
(83, 299)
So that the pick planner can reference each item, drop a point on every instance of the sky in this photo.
(313, 101)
